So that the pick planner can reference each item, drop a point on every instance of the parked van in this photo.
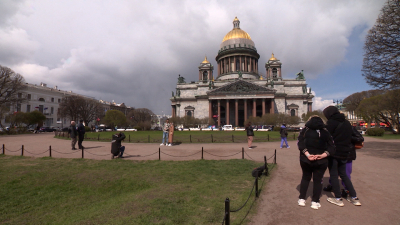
(227, 127)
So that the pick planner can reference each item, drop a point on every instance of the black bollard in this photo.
(159, 153)
(4, 149)
(242, 153)
(50, 150)
(22, 150)
(82, 153)
(201, 152)
(275, 157)
(227, 212)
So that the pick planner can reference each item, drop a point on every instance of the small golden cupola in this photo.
(236, 32)
(205, 60)
(272, 57)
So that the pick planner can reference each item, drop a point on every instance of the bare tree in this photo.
(11, 84)
(141, 117)
(77, 107)
(381, 65)
(352, 101)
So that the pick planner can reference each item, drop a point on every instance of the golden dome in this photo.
(236, 32)
(272, 57)
(205, 60)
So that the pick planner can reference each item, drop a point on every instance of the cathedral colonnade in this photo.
(237, 111)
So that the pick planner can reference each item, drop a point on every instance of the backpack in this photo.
(257, 172)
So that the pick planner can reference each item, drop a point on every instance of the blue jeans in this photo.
(121, 150)
(284, 139)
(165, 137)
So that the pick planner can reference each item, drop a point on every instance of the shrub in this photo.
(87, 129)
(375, 132)
(277, 128)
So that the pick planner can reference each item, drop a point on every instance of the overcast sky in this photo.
(132, 51)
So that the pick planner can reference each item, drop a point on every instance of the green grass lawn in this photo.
(189, 136)
(81, 191)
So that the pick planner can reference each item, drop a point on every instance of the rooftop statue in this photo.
(181, 80)
(178, 92)
(272, 83)
(304, 89)
(240, 74)
(300, 75)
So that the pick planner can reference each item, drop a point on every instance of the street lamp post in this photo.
(338, 102)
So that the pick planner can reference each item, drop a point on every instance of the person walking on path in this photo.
(250, 134)
(81, 133)
(116, 147)
(165, 133)
(341, 131)
(315, 144)
(73, 133)
(284, 135)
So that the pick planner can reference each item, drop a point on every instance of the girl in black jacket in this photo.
(250, 134)
(315, 144)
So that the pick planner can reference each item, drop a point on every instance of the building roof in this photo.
(236, 32)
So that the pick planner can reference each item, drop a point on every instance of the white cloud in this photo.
(319, 103)
(133, 51)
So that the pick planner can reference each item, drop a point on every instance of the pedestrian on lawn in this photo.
(284, 135)
(73, 134)
(315, 144)
(250, 134)
(341, 131)
(165, 133)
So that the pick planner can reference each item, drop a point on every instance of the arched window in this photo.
(41, 99)
(293, 112)
(189, 113)
(274, 73)
(205, 75)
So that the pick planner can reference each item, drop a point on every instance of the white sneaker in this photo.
(315, 205)
(169, 145)
(161, 144)
(250, 148)
(288, 146)
(301, 202)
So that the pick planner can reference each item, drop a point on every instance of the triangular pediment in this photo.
(242, 87)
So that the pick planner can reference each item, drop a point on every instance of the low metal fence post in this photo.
(266, 166)
(50, 150)
(275, 157)
(159, 153)
(22, 150)
(4, 150)
(82, 153)
(201, 152)
(257, 187)
(242, 153)
(227, 212)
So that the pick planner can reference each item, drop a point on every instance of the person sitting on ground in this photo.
(315, 144)
(284, 135)
(116, 147)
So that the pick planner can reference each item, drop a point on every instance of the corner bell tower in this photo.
(274, 68)
(205, 71)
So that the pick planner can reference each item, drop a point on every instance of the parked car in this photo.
(47, 129)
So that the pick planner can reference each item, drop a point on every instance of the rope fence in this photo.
(226, 220)
(83, 150)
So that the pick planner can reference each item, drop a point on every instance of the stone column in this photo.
(245, 109)
(272, 109)
(245, 64)
(218, 68)
(254, 107)
(263, 106)
(229, 67)
(173, 111)
(240, 63)
(227, 112)
(219, 113)
(210, 111)
(236, 112)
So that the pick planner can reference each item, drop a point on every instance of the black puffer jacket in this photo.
(341, 131)
(116, 143)
(315, 139)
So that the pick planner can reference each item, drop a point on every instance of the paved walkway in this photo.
(375, 175)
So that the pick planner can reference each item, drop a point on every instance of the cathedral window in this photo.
(205, 75)
(274, 73)
(293, 112)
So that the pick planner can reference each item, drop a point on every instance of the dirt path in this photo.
(375, 175)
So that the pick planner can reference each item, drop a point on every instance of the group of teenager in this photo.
(332, 146)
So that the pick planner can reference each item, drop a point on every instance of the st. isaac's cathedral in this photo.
(240, 90)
